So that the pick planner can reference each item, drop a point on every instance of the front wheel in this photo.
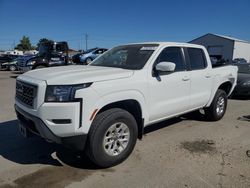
(12, 68)
(112, 137)
(88, 60)
(218, 106)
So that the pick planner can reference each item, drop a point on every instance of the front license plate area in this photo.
(23, 130)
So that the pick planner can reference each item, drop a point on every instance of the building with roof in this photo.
(224, 47)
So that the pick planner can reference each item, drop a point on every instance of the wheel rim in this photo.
(12, 68)
(88, 61)
(116, 139)
(220, 106)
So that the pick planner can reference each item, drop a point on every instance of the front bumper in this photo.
(4, 66)
(37, 126)
(24, 69)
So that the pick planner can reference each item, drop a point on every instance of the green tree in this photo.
(24, 44)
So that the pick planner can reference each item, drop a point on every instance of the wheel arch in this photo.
(133, 107)
(226, 86)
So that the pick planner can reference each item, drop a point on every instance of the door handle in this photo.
(208, 76)
(185, 78)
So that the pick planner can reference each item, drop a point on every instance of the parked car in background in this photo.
(239, 60)
(22, 61)
(243, 82)
(50, 54)
(76, 58)
(12, 65)
(89, 55)
(7, 58)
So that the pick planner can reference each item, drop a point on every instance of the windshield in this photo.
(48, 48)
(44, 49)
(132, 57)
(89, 50)
(244, 68)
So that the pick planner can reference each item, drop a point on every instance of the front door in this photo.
(169, 91)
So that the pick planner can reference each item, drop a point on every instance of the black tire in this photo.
(102, 123)
(88, 60)
(12, 68)
(218, 106)
(40, 67)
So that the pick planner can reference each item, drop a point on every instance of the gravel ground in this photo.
(181, 152)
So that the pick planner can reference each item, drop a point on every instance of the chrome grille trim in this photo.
(26, 93)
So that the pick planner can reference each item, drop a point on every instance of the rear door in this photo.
(200, 76)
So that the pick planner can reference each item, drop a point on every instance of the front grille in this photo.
(21, 63)
(26, 93)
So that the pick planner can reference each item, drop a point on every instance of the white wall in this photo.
(14, 52)
(31, 52)
(242, 50)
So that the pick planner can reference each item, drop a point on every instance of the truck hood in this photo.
(76, 74)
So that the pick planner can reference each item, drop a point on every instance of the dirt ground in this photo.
(181, 152)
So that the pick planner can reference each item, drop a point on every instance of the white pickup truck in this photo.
(102, 108)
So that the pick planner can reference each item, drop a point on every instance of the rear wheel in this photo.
(218, 106)
(112, 137)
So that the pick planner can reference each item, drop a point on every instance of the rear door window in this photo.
(196, 58)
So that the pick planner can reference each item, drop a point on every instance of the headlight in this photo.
(247, 83)
(60, 93)
(30, 63)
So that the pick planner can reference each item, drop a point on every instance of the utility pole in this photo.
(86, 40)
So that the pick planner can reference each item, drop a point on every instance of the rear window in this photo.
(196, 58)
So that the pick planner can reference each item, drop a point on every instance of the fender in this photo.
(124, 95)
(120, 96)
(218, 80)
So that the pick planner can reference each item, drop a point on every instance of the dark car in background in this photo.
(239, 60)
(11, 65)
(243, 81)
(89, 55)
(22, 62)
(76, 57)
(7, 58)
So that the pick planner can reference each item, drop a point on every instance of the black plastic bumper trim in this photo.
(38, 127)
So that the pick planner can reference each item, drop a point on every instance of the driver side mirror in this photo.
(165, 67)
